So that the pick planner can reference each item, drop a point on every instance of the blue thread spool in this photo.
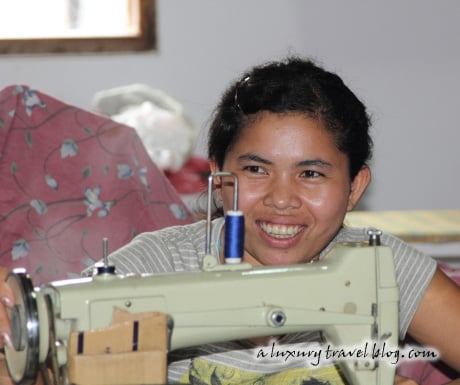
(234, 236)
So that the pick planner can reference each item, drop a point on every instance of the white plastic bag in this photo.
(159, 120)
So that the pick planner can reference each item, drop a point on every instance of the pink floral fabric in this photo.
(69, 178)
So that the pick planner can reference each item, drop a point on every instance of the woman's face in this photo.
(294, 188)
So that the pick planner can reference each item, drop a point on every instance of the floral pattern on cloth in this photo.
(203, 372)
(70, 178)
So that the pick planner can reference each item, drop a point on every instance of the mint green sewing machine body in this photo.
(351, 295)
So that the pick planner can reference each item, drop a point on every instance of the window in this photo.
(66, 26)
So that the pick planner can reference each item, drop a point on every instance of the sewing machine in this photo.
(351, 295)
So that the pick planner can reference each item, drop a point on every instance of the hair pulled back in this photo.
(294, 85)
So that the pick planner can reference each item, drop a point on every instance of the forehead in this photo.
(285, 133)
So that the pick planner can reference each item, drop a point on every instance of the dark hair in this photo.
(294, 85)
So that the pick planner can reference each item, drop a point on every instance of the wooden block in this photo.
(119, 369)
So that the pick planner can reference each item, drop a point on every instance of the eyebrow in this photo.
(254, 158)
(314, 162)
(302, 163)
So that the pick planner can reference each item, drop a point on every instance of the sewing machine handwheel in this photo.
(23, 357)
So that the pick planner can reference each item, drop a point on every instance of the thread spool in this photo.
(234, 236)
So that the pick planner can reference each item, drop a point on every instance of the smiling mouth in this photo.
(280, 231)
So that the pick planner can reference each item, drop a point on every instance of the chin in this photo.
(282, 261)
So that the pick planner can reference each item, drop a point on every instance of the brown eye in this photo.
(311, 174)
(254, 169)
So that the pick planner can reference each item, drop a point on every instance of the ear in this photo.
(358, 186)
(217, 180)
(213, 166)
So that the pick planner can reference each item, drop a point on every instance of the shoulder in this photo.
(414, 269)
(172, 249)
(399, 247)
(173, 234)
(190, 237)
(404, 253)
(166, 250)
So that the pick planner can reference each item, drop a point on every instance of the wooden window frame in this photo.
(146, 40)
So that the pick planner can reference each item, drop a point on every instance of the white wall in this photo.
(401, 57)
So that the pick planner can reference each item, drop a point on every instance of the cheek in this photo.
(248, 198)
(328, 202)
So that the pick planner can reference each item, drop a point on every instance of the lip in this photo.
(280, 233)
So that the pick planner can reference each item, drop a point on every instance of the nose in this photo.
(282, 194)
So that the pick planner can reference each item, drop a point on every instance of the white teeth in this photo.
(280, 231)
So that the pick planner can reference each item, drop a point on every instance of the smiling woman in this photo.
(66, 26)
